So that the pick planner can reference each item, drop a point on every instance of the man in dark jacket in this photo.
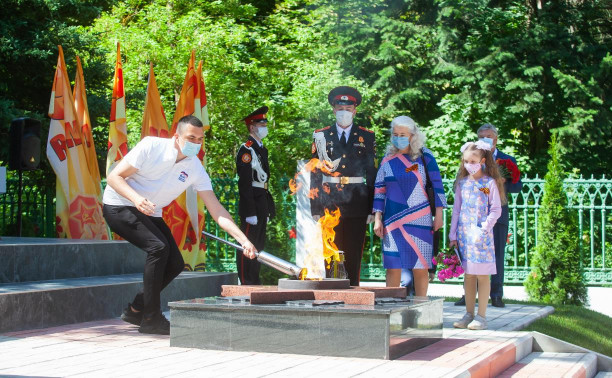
(256, 205)
(348, 185)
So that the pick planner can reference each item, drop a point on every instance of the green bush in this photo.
(556, 275)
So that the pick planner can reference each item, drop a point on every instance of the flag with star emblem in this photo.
(82, 113)
(117, 133)
(78, 214)
(185, 215)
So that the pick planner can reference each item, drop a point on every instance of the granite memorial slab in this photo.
(388, 329)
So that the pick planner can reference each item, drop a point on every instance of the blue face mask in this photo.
(487, 140)
(400, 142)
(191, 149)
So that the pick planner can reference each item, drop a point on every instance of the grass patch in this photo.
(574, 324)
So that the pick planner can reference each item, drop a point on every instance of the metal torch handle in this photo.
(267, 258)
(238, 247)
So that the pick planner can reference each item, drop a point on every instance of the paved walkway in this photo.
(114, 348)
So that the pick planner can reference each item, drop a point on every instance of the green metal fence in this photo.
(590, 198)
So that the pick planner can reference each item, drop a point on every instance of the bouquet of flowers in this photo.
(449, 263)
(508, 170)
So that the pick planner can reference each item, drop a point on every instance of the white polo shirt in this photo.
(160, 178)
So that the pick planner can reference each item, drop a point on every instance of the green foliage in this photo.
(556, 275)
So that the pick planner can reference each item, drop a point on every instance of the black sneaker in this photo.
(497, 302)
(130, 316)
(157, 325)
(460, 302)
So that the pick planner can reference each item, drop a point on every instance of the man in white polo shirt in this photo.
(150, 177)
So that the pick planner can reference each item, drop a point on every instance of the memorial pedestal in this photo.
(389, 329)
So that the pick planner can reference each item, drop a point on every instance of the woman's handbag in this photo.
(431, 195)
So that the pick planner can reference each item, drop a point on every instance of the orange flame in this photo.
(328, 222)
(314, 193)
(322, 246)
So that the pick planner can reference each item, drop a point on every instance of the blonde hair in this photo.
(418, 138)
(491, 169)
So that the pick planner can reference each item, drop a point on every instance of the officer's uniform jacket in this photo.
(350, 184)
(255, 199)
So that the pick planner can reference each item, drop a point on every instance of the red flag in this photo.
(117, 133)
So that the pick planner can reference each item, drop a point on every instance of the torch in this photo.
(267, 259)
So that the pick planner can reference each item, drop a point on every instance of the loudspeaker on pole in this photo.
(24, 149)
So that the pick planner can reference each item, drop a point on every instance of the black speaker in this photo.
(24, 149)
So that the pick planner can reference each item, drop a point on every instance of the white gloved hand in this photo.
(267, 219)
(370, 219)
(251, 220)
(316, 218)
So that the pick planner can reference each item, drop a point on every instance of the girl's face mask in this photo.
(472, 168)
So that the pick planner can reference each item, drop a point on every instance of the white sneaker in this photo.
(463, 323)
(478, 323)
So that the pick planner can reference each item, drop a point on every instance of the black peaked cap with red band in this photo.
(344, 96)
(257, 115)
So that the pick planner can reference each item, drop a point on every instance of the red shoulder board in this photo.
(364, 129)
(249, 143)
(323, 129)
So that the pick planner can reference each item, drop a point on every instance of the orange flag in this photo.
(153, 119)
(82, 112)
(117, 133)
(185, 215)
(78, 214)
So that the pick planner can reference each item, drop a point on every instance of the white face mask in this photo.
(344, 118)
(262, 132)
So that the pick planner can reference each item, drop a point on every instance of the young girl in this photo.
(479, 189)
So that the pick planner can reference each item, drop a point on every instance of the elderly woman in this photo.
(403, 217)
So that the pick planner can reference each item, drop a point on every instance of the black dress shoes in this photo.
(497, 302)
(460, 302)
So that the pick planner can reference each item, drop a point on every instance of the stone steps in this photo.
(549, 364)
(38, 259)
(51, 282)
(31, 305)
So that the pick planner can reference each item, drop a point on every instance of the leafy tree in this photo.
(556, 275)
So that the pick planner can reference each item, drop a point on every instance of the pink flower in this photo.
(433, 260)
(460, 270)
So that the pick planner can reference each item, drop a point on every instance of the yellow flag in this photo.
(82, 112)
(78, 214)
(153, 118)
(117, 133)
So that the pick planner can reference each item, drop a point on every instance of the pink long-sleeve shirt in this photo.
(494, 209)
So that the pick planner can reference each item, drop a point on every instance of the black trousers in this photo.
(350, 237)
(151, 234)
(500, 235)
(248, 269)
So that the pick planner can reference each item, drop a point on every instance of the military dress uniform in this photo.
(349, 187)
(255, 200)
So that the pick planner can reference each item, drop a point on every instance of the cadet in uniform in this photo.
(256, 205)
(349, 185)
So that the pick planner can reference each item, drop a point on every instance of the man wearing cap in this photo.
(348, 182)
(256, 205)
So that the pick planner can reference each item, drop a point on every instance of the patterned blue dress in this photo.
(476, 209)
(399, 194)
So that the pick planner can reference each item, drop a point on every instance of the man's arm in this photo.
(224, 219)
(116, 180)
(245, 183)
